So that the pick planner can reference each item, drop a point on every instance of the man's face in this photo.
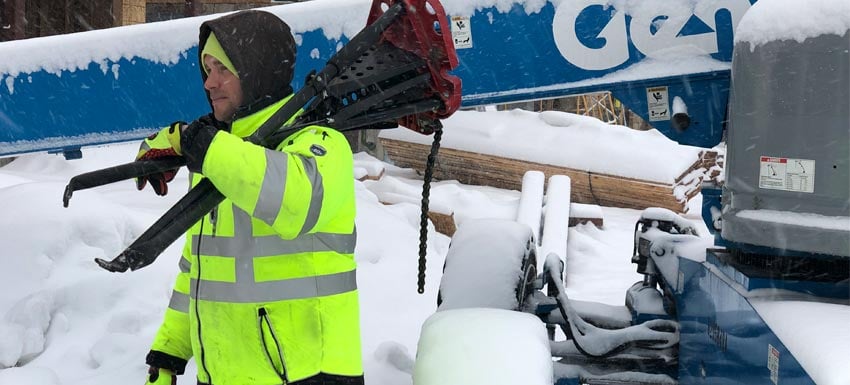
(224, 88)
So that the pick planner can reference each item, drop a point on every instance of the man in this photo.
(266, 292)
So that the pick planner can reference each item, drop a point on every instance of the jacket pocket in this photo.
(271, 344)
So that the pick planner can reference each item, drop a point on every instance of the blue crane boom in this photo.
(64, 92)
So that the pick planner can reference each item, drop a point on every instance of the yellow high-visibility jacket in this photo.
(266, 292)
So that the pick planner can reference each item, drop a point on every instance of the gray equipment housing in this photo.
(790, 100)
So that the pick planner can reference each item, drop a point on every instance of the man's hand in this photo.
(163, 144)
(157, 376)
(196, 138)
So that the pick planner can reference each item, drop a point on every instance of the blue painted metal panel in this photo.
(85, 107)
(46, 112)
(723, 340)
(516, 54)
(586, 46)
(112, 100)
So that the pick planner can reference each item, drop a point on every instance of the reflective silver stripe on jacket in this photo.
(244, 247)
(270, 291)
(274, 186)
(316, 197)
(270, 245)
(244, 244)
(184, 265)
(179, 302)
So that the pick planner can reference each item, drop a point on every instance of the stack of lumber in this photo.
(712, 162)
(581, 214)
(587, 187)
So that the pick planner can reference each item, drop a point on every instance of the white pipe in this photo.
(556, 221)
(531, 202)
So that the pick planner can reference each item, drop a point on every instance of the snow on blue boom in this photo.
(60, 93)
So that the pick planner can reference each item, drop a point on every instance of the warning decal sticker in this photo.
(773, 363)
(659, 104)
(461, 32)
(787, 174)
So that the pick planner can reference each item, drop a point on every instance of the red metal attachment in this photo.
(424, 31)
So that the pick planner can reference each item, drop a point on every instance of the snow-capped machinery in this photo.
(770, 302)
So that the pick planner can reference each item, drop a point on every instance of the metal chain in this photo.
(423, 218)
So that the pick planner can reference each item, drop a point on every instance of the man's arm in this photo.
(172, 346)
(296, 189)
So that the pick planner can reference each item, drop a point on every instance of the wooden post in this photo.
(66, 19)
(117, 13)
(128, 12)
(14, 12)
(192, 8)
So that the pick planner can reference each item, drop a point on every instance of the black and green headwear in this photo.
(259, 48)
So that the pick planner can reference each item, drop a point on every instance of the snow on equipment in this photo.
(393, 72)
(767, 304)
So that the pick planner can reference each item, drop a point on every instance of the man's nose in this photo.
(211, 82)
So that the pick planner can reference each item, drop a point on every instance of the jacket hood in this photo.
(261, 47)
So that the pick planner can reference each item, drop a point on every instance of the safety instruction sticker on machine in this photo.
(773, 363)
(787, 174)
(461, 32)
(659, 103)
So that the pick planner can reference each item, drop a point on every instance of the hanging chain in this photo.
(423, 218)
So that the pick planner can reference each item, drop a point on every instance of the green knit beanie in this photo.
(214, 49)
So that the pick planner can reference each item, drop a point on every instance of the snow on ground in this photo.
(66, 321)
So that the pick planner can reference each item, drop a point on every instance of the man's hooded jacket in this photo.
(266, 292)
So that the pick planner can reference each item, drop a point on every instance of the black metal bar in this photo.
(363, 105)
(186, 212)
(120, 172)
(389, 115)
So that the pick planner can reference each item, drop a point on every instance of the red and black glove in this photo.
(171, 142)
(157, 146)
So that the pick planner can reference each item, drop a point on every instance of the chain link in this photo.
(423, 218)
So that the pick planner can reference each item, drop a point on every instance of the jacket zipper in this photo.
(203, 361)
(264, 318)
(214, 219)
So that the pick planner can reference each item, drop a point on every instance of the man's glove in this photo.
(157, 376)
(163, 144)
(196, 139)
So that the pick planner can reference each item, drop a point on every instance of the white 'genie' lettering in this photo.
(663, 41)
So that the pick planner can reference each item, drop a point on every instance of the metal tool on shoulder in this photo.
(395, 71)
